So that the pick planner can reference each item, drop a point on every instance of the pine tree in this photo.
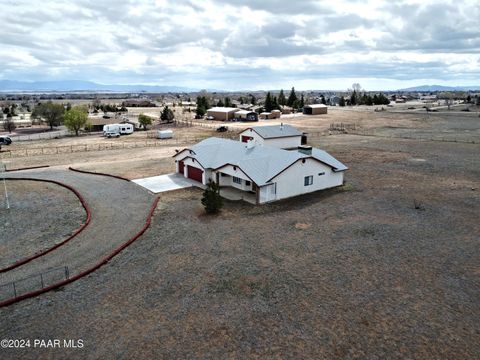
(202, 105)
(341, 102)
(167, 115)
(275, 104)
(268, 103)
(228, 102)
(211, 199)
(292, 98)
(281, 98)
(302, 102)
(353, 98)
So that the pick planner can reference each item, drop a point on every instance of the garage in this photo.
(194, 173)
(181, 166)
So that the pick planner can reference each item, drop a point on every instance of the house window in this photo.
(322, 173)
(247, 183)
(308, 180)
(237, 180)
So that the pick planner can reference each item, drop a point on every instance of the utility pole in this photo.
(3, 169)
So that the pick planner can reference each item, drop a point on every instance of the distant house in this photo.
(222, 113)
(315, 109)
(263, 173)
(276, 114)
(280, 136)
(246, 115)
(97, 122)
(286, 109)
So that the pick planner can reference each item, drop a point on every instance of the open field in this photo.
(385, 267)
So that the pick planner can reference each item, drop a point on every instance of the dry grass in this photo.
(353, 272)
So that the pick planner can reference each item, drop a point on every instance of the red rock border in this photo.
(97, 173)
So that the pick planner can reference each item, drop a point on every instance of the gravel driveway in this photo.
(119, 209)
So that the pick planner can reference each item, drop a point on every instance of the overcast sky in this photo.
(250, 44)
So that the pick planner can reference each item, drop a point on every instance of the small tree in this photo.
(88, 126)
(76, 118)
(167, 115)
(211, 199)
(9, 125)
(144, 120)
(341, 102)
(50, 112)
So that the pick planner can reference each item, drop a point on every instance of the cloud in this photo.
(239, 44)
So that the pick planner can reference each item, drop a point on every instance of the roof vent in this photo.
(305, 149)
(281, 126)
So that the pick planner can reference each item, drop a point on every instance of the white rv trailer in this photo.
(111, 128)
(120, 128)
(126, 128)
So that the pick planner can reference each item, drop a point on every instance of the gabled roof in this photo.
(328, 159)
(275, 131)
(259, 163)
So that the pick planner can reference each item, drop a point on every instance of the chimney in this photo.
(305, 149)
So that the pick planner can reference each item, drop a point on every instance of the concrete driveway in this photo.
(168, 182)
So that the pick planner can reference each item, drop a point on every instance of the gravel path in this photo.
(119, 209)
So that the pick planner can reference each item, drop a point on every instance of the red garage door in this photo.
(181, 165)
(194, 173)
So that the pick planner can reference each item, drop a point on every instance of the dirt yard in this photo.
(40, 216)
(386, 267)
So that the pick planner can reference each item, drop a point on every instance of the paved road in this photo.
(119, 210)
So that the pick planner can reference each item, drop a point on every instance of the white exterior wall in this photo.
(256, 138)
(291, 181)
(282, 143)
(189, 162)
(228, 180)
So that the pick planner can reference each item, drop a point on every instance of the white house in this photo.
(280, 136)
(267, 172)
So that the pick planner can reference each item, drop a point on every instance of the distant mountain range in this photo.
(79, 85)
(431, 88)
